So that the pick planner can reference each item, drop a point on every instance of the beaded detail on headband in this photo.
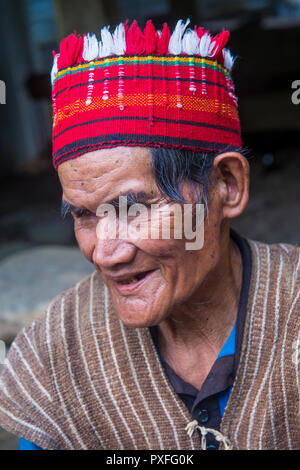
(130, 41)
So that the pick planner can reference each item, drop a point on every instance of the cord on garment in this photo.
(193, 425)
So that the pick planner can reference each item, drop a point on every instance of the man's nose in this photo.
(109, 253)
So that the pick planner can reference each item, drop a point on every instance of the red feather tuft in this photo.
(150, 37)
(221, 40)
(135, 41)
(71, 49)
(163, 40)
(126, 29)
(200, 31)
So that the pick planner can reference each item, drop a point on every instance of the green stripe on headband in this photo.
(126, 60)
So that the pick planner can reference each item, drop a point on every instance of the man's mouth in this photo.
(134, 279)
(131, 283)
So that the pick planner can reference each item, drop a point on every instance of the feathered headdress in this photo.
(143, 88)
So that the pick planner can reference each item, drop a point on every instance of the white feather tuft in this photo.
(108, 47)
(206, 45)
(119, 40)
(175, 43)
(54, 69)
(190, 42)
(228, 59)
(90, 47)
(211, 48)
(100, 46)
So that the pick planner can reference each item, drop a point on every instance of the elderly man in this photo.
(168, 344)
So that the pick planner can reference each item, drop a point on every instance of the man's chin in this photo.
(138, 311)
(139, 318)
(136, 321)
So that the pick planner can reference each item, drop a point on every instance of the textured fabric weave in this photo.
(207, 122)
(77, 378)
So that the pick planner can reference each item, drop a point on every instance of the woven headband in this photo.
(143, 88)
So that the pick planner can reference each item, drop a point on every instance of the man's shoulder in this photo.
(276, 280)
(75, 301)
(36, 372)
(77, 296)
(69, 311)
(285, 255)
(280, 247)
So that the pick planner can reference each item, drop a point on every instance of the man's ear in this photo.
(233, 176)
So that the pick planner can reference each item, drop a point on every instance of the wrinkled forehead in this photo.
(126, 161)
(106, 173)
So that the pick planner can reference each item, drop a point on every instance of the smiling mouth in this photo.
(126, 286)
(134, 279)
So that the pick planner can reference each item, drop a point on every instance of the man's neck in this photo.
(200, 327)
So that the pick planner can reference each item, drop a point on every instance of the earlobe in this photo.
(234, 173)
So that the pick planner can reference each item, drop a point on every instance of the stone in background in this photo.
(30, 279)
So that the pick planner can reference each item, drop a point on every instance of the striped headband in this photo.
(143, 88)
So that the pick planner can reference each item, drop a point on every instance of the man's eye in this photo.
(81, 213)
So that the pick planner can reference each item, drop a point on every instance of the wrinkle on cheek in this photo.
(158, 249)
(86, 241)
(158, 224)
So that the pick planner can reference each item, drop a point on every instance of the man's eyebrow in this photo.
(66, 208)
(133, 197)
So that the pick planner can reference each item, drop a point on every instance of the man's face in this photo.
(147, 278)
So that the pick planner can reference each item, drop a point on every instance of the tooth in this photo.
(130, 280)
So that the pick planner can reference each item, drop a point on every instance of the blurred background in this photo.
(38, 253)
